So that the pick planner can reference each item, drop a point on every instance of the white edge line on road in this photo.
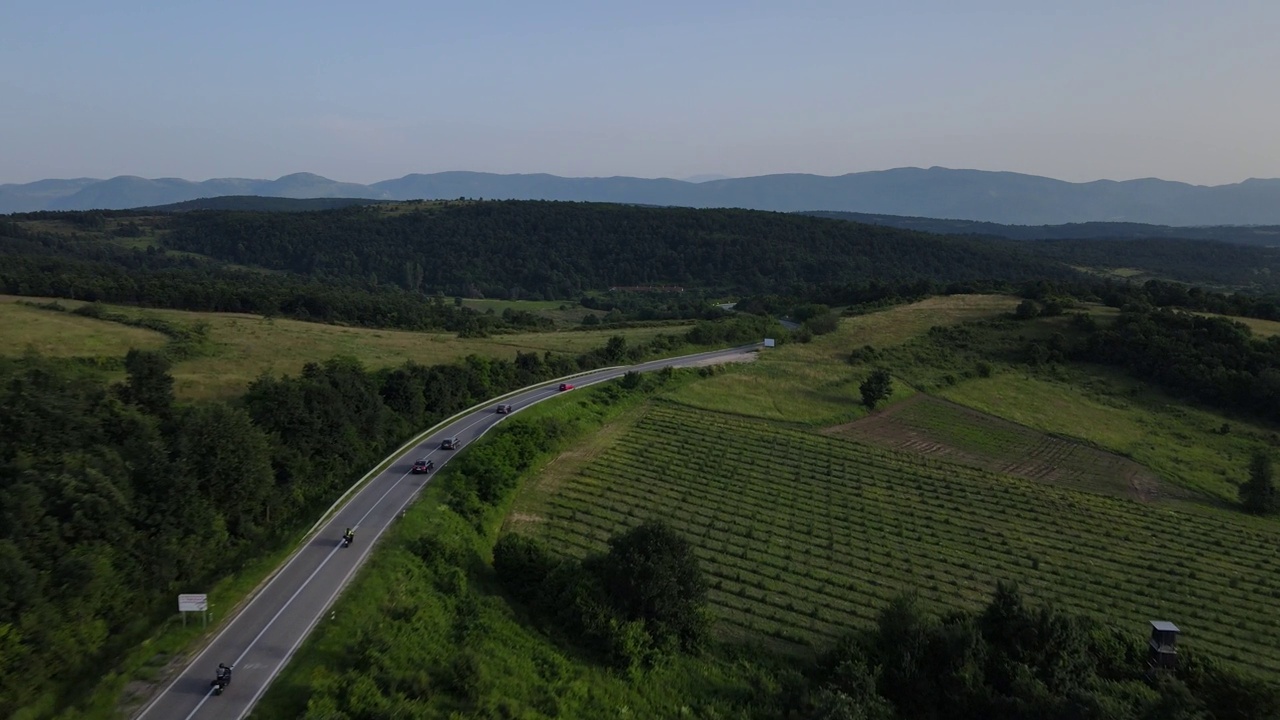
(417, 439)
(359, 563)
(296, 593)
(400, 452)
(369, 548)
(364, 555)
(200, 704)
(326, 516)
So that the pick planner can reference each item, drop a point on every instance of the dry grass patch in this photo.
(897, 325)
(534, 497)
(1260, 328)
(65, 335)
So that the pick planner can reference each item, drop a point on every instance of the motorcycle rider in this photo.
(349, 535)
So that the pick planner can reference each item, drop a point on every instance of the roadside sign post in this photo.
(768, 342)
(194, 603)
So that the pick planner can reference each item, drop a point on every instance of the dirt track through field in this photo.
(931, 426)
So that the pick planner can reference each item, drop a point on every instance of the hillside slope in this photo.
(559, 250)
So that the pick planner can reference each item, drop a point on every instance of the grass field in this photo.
(930, 426)
(242, 347)
(64, 335)
(812, 383)
(803, 535)
(1179, 442)
(1260, 328)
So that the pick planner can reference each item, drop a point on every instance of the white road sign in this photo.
(193, 603)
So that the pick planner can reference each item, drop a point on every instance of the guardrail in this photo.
(382, 466)
(328, 514)
(377, 470)
(234, 611)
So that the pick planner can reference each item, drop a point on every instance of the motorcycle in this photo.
(223, 679)
(347, 538)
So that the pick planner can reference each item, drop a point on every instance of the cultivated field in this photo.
(242, 346)
(929, 426)
(804, 535)
(1177, 441)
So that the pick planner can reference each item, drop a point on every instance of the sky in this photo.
(365, 91)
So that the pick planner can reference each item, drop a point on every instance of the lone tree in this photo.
(876, 388)
(1258, 493)
(148, 383)
(650, 574)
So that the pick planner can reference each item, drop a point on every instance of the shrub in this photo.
(1027, 309)
(522, 564)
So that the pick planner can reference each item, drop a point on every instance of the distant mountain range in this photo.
(976, 195)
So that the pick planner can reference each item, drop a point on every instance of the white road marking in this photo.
(365, 551)
(286, 605)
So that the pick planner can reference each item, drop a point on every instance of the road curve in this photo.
(264, 635)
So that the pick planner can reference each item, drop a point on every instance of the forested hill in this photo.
(1264, 235)
(1218, 265)
(560, 249)
(1224, 257)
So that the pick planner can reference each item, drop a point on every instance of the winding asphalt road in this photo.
(264, 635)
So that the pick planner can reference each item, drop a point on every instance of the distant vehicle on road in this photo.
(222, 680)
(504, 409)
(451, 444)
(423, 466)
(565, 386)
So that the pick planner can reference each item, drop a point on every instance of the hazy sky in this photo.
(363, 91)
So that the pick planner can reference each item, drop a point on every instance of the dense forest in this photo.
(363, 266)
(397, 266)
(51, 265)
(1262, 235)
(556, 250)
(114, 497)
(1203, 262)
(1236, 258)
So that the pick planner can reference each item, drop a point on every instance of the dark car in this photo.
(451, 444)
(423, 466)
(504, 409)
(565, 386)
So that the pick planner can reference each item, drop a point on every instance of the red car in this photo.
(423, 466)
(565, 386)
